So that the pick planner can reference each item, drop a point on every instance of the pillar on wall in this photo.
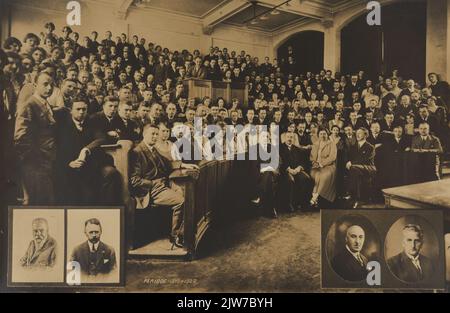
(448, 41)
(5, 21)
(438, 38)
(332, 47)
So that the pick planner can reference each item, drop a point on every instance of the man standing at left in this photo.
(34, 140)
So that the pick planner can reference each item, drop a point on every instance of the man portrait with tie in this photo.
(410, 265)
(41, 252)
(350, 263)
(94, 256)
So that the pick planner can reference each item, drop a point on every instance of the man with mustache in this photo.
(350, 263)
(41, 252)
(410, 265)
(94, 256)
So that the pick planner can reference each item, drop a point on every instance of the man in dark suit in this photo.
(149, 177)
(93, 105)
(262, 118)
(178, 93)
(129, 129)
(9, 65)
(367, 121)
(388, 124)
(410, 265)
(351, 88)
(198, 70)
(425, 117)
(360, 165)
(141, 117)
(106, 121)
(268, 176)
(213, 117)
(427, 149)
(34, 140)
(440, 89)
(294, 170)
(94, 256)
(349, 137)
(85, 174)
(393, 163)
(350, 263)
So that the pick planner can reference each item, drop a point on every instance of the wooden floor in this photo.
(159, 249)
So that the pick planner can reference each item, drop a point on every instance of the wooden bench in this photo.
(212, 196)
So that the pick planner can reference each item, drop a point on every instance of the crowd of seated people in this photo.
(63, 97)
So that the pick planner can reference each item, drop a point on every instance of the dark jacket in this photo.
(103, 260)
(346, 266)
(44, 257)
(131, 131)
(292, 158)
(403, 268)
(361, 156)
(146, 166)
(70, 140)
(102, 125)
(35, 136)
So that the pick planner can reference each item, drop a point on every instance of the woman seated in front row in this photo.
(323, 159)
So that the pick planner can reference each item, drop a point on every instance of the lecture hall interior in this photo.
(315, 68)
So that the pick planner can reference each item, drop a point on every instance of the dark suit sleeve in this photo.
(74, 256)
(283, 161)
(113, 259)
(99, 138)
(371, 156)
(137, 180)
(52, 257)
(202, 73)
(437, 145)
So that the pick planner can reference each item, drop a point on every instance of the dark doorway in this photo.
(307, 49)
(399, 43)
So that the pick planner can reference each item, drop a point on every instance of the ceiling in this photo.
(267, 22)
(196, 8)
(242, 13)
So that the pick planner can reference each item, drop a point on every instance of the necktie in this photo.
(49, 107)
(416, 263)
(360, 260)
(79, 126)
(158, 161)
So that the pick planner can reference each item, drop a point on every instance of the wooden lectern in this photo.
(200, 88)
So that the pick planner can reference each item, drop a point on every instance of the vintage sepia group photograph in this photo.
(214, 146)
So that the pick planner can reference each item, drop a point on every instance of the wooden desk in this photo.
(430, 195)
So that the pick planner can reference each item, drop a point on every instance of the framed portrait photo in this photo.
(36, 246)
(386, 249)
(66, 247)
(95, 246)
